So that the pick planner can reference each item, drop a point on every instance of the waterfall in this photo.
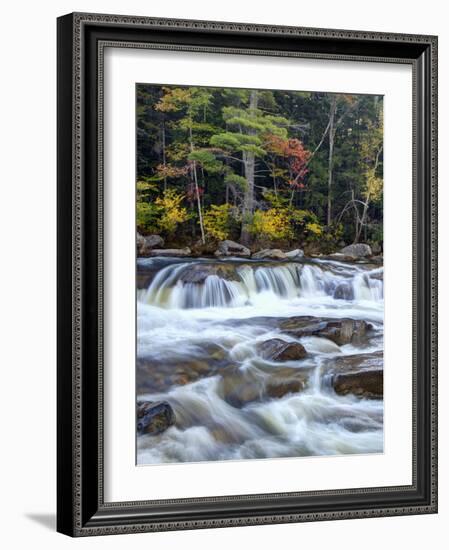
(283, 281)
(242, 284)
(214, 292)
(366, 288)
(312, 281)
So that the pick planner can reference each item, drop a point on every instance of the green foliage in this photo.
(207, 160)
(235, 179)
(147, 217)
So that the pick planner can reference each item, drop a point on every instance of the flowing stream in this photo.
(200, 323)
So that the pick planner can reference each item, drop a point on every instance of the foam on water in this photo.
(177, 320)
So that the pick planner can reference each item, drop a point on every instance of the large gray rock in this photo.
(231, 248)
(269, 254)
(154, 241)
(170, 251)
(295, 254)
(146, 243)
(279, 350)
(357, 251)
(154, 417)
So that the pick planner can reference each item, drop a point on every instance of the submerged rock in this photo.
(356, 251)
(270, 254)
(295, 254)
(155, 376)
(240, 387)
(170, 251)
(279, 350)
(278, 389)
(231, 248)
(154, 417)
(340, 331)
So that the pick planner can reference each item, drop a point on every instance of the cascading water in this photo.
(200, 326)
(291, 280)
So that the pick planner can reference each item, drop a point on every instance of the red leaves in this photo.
(295, 155)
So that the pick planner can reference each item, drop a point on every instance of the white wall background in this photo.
(27, 274)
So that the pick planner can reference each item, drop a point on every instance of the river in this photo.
(200, 325)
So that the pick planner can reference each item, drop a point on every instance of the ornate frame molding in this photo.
(82, 511)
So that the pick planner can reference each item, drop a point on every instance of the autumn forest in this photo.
(263, 168)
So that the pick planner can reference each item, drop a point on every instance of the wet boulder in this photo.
(350, 363)
(303, 326)
(340, 331)
(295, 254)
(363, 383)
(358, 374)
(286, 381)
(357, 251)
(270, 254)
(154, 417)
(170, 252)
(276, 349)
(231, 248)
(346, 331)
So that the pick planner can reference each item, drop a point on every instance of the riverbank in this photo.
(155, 246)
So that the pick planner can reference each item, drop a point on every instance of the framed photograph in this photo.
(246, 274)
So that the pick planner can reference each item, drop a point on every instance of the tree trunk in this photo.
(333, 109)
(362, 220)
(197, 190)
(164, 160)
(249, 161)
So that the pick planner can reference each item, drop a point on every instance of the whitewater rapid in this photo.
(212, 325)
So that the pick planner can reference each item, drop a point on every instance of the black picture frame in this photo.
(81, 509)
